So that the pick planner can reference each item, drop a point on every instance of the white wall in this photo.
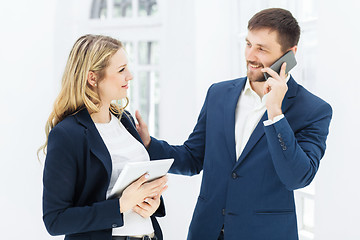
(337, 192)
(177, 109)
(26, 93)
(196, 51)
(36, 37)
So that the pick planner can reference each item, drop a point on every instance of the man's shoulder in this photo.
(308, 97)
(226, 84)
(231, 82)
(305, 99)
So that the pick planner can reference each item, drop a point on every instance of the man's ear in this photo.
(294, 49)
(92, 79)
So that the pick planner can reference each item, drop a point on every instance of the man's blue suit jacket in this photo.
(252, 197)
(76, 177)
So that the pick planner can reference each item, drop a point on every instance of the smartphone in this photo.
(290, 60)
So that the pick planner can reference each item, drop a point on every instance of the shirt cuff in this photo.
(276, 119)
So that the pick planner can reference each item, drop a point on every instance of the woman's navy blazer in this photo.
(76, 177)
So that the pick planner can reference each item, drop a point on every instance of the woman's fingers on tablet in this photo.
(156, 187)
(158, 192)
(161, 192)
(143, 179)
(156, 184)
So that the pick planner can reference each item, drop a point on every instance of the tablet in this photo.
(132, 171)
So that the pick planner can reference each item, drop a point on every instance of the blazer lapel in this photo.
(230, 102)
(254, 138)
(129, 124)
(96, 144)
(290, 95)
(258, 132)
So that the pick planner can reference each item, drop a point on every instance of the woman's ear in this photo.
(91, 79)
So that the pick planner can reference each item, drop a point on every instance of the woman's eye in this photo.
(121, 70)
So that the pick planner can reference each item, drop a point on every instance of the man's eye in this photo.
(121, 70)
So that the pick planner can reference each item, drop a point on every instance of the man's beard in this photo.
(252, 76)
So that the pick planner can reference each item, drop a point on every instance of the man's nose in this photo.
(250, 55)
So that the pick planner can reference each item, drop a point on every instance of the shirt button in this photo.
(114, 225)
(234, 175)
(284, 148)
(223, 212)
(282, 144)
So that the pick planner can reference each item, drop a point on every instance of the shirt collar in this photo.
(247, 86)
(249, 90)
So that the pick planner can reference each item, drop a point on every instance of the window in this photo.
(305, 73)
(137, 24)
(145, 93)
(122, 8)
(98, 9)
(147, 7)
(113, 9)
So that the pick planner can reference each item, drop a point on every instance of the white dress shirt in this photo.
(249, 110)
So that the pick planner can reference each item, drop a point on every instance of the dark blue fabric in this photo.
(76, 177)
(252, 197)
(133, 238)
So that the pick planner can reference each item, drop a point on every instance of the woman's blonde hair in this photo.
(89, 53)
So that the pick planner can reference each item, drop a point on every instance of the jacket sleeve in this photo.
(60, 213)
(296, 156)
(189, 157)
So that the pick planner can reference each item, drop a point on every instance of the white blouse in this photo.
(124, 148)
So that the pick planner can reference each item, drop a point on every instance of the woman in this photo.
(87, 146)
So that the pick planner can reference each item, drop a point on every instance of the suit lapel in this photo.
(258, 132)
(230, 102)
(95, 141)
(96, 144)
(290, 95)
(129, 124)
(254, 138)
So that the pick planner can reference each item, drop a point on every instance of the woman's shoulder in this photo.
(68, 127)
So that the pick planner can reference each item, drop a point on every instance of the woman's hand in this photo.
(142, 129)
(149, 206)
(138, 191)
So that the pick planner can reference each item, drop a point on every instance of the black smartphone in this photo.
(290, 60)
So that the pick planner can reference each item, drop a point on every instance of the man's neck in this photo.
(258, 87)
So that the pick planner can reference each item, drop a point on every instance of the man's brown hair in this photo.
(280, 20)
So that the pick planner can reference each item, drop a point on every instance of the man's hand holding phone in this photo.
(276, 88)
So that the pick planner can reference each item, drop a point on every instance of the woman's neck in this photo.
(103, 116)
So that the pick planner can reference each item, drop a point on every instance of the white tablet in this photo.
(132, 171)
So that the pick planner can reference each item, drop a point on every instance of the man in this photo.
(255, 140)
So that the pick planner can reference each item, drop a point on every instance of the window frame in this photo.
(134, 29)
